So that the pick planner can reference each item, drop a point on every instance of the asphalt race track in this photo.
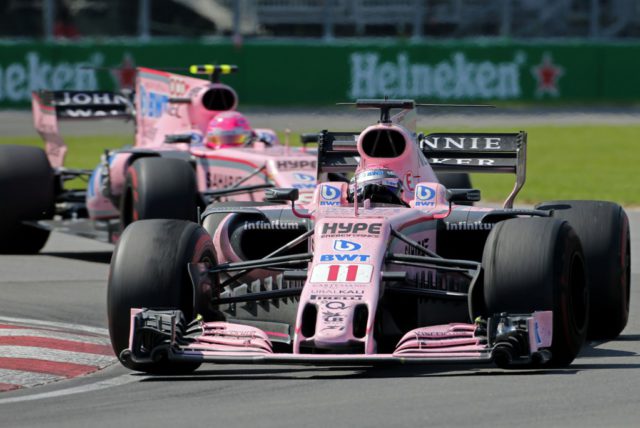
(65, 288)
(67, 284)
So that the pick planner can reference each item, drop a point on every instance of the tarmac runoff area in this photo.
(19, 123)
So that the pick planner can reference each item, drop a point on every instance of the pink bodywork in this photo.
(166, 104)
(46, 123)
(349, 248)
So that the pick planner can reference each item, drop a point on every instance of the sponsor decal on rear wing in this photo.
(49, 106)
(479, 152)
(446, 152)
(85, 104)
(474, 152)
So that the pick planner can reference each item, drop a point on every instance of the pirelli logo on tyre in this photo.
(327, 273)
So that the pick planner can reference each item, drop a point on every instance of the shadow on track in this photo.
(85, 256)
(345, 373)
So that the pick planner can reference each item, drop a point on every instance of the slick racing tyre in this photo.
(26, 193)
(534, 264)
(149, 270)
(603, 229)
(456, 180)
(159, 188)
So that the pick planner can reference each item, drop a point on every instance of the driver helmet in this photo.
(228, 129)
(377, 184)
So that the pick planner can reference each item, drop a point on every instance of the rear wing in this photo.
(479, 152)
(50, 106)
(446, 152)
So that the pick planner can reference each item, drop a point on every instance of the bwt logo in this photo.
(330, 195)
(153, 104)
(344, 257)
(425, 196)
(304, 177)
(342, 245)
(425, 193)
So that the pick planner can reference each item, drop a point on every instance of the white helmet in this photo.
(376, 184)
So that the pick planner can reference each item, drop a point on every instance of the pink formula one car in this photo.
(191, 148)
(384, 268)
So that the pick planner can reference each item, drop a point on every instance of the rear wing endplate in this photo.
(50, 106)
(446, 152)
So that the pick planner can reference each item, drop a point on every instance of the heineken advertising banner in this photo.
(313, 73)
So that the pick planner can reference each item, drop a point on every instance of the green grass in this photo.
(84, 152)
(574, 162)
(564, 162)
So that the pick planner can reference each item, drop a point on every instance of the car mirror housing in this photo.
(280, 194)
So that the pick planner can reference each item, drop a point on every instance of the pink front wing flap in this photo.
(224, 342)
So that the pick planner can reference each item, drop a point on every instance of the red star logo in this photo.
(547, 74)
(125, 73)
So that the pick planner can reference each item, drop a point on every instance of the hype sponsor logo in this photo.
(338, 229)
(343, 245)
(330, 195)
(425, 196)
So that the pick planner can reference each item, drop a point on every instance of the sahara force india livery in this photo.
(366, 274)
(168, 173)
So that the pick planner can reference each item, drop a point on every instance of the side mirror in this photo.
(280, 194)
(177, 138)
(309, 139)
(463, 195)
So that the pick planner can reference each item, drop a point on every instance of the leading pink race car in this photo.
(386, 267)
(191, 148)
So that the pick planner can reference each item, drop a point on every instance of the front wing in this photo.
(504, 339)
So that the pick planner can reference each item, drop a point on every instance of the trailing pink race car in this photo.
(191, 148)
(385, 267)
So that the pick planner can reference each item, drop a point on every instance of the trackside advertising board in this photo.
(314, 73)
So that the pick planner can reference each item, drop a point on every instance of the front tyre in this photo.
(537, 264)
(149, 270)
(603, 229)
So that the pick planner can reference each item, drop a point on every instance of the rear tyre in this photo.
(603, 229)
(26, 193)
(159, 188)
(456, 180)
(537, 264)
(149, 270)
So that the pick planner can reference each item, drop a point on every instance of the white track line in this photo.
(117, 381)
(53, 324)
(26, 379)
(56, 355)
(10, 332)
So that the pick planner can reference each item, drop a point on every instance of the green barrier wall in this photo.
(312, 73)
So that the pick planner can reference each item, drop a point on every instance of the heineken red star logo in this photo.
(125, 73)
(547, 75)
